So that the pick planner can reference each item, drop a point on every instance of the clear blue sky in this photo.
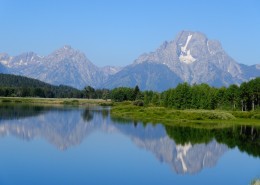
(115, 32)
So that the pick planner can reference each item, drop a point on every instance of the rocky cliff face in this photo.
(64, 66)
(196, 59)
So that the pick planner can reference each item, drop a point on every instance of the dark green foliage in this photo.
(202, 96)
(182, 98)
(19, 86)
(90, 92)
(136, 92)
(123, 94)
(138, 103)
(148, 95)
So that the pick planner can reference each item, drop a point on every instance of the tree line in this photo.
(245, 97)
(20, 86)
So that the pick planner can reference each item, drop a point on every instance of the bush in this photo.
(73, 102)
(239, 114)
(256, 116)
(106, 104)
(138, 103)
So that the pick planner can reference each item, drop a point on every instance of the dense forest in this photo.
(198, 96)
(20, 86)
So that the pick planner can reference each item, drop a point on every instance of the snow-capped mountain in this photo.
(3, 61)
(64, 66)
(196, 59)
(2, 68)
(191, 57)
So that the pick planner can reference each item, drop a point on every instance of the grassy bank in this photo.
(54, 101)
(184, 117)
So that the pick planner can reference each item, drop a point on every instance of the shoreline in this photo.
(189, 117)
(55, 101)
(152, 114)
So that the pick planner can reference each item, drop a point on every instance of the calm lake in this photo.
(66, 145)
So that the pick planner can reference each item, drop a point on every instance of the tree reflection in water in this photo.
(246, 138)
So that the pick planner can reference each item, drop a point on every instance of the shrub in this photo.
(256, 116)
(138, 103)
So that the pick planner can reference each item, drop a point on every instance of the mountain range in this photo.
(191, 57)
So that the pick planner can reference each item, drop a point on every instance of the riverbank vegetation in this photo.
(171, 116)
(245, 97)
(191, 103)
(185, 102)
(54, 101)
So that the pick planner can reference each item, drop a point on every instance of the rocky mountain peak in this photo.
(3, 55)
(192, 46)
(197, 59)
(164, 45)
(67, 47)
(183, 35)
(65, 51)
(4, 59)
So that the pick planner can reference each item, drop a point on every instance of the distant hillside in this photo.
(7, 80)
(11, 85)
(148, 76)
(2, 68)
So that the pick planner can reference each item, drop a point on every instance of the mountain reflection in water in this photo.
(185, 149)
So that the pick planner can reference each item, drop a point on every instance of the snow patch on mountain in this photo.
(4, 62)
(188, 59)
(186, 56)
(183, 49)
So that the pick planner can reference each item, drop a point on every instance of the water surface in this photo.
(66, 145)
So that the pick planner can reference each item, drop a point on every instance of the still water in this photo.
(48, 145)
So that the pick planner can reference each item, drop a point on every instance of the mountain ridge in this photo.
(191, 57)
